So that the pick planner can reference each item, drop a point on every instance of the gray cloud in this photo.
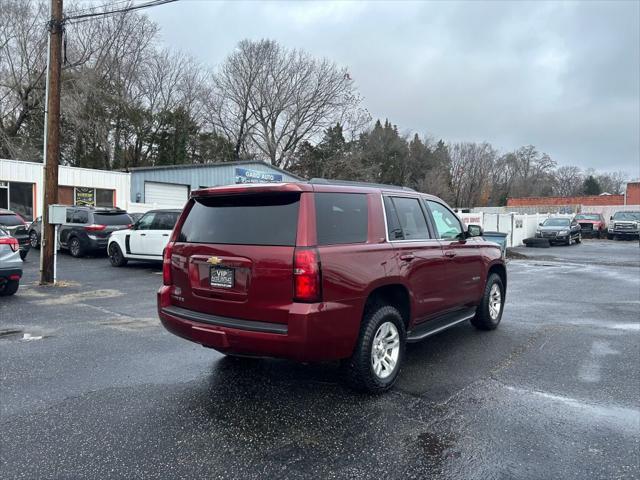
(562, 76)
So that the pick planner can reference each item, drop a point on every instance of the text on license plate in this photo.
(221, 277)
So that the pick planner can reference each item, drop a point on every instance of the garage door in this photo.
(166, 194)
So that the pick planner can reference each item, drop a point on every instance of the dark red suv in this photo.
(325, 271)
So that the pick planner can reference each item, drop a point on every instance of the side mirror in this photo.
(474, 231)
(540, 224)
(611, 217)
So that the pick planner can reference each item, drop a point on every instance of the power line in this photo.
(152, 3)
(81, 11)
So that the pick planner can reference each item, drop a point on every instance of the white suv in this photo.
(145, 240)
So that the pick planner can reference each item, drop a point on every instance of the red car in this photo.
(319, 271)
(592, 224)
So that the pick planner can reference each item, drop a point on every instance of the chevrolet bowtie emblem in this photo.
(213, 260)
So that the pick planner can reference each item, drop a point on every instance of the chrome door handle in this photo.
(407, 257)
(143, 234)
(449, 254)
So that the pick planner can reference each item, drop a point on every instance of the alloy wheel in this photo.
(385, 350)
(495, 301)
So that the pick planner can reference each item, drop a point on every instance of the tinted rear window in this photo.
(112, 219)
(341, 218)
(10, 220)
(243, 220)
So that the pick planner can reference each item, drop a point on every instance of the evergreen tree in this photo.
(591, 186)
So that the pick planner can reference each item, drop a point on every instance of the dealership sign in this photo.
(85, 196)
(245, 175)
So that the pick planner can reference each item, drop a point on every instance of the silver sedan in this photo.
(10, 264)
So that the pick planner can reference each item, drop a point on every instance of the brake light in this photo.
(95, 228)
(306, 275)
(166, 264)
(11, 241)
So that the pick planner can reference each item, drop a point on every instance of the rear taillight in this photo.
(307, 284)
(95, 228)
(11, 241)
(166, 264)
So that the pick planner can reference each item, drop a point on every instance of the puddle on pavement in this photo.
(437, 446)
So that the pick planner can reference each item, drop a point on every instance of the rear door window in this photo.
(267, 219)
(80, 216)
(164, 220)
(411, 219)
(341, 218)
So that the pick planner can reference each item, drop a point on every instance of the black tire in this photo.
(116, 257)
(9, 288)
(75, 247)
(537, 242)
(609, 236)
(23, 254)
(33, 239)
(579, 239)
(483, 319)
(358, 370)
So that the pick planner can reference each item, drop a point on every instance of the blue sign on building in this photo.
(245, 175)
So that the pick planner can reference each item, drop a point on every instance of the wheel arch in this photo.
(395, 294)
(501, 271)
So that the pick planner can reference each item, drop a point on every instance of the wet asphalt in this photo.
(97, 388)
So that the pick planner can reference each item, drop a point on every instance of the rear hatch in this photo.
(104, 223)
(233, 255)
(15, 226)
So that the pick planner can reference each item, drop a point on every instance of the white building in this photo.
(21, 187)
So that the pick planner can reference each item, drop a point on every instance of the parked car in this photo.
(35, 233)
(87, 229)
(591, 224)
(320, 271)
(145, 240)
(15, 225)
(560, 230)
(10, 264)
(624, 225)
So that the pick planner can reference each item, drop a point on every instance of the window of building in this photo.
(17, 196)
(104, 197)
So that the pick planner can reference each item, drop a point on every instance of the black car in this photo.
(15, 225)
(87, 229)
(560, 230)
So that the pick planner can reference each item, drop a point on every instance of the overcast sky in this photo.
(562, 76)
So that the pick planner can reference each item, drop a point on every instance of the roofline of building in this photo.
(214, 164)
(37, 162)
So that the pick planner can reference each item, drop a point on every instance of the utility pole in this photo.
(52, 147)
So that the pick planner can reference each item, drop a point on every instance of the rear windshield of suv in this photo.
(267, 219)
(10, 220)
(112, 219)
(341, 218)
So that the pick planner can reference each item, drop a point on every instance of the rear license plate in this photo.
(221, 277)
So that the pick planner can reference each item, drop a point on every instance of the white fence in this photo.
(516, 226)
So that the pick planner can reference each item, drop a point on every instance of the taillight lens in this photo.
(11, 241)
(95, 228)
(166, 264)
(307, 284)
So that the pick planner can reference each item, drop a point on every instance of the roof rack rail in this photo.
(325, 181)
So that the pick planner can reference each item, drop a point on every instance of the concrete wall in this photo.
(33, 172)
(196, 176)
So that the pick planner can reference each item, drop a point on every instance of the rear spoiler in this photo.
(250, 188)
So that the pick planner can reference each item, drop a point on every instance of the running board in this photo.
(431, 327)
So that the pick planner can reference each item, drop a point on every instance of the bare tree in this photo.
(268, 99)
(568, 181)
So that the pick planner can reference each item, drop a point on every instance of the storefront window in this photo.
(104, 198)
(17, 196)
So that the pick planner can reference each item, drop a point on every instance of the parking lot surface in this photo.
(93, 387)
